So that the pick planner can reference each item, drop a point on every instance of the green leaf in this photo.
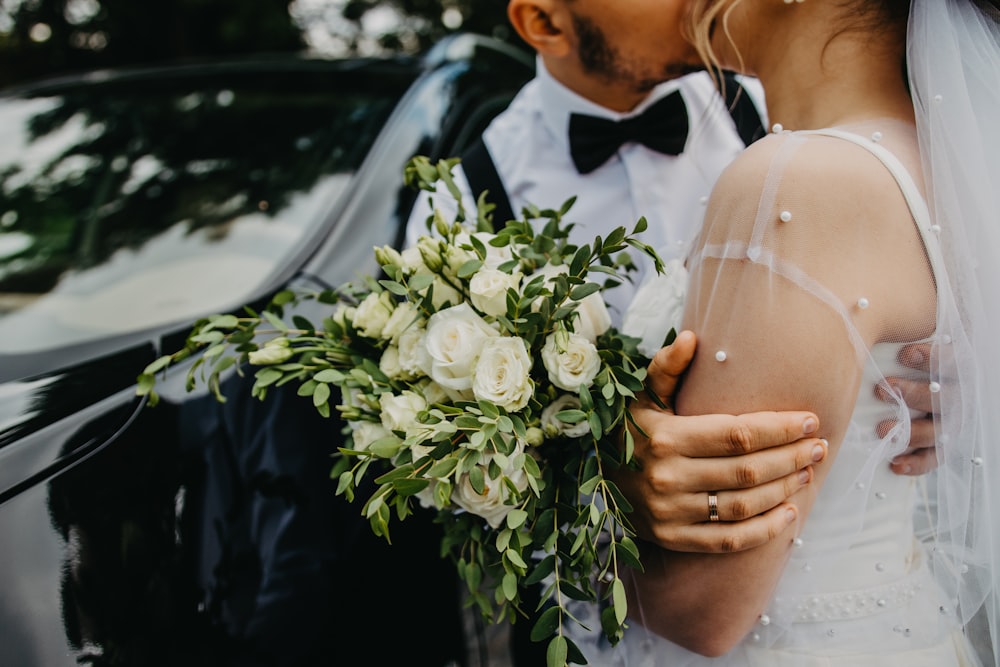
(386, 448)
(410, 487)
(328, 375)
(541, 570)
(509, 586)
(583, 291)
(615, 238)
(609, 622)
(444, 468)
(596, 427)
(420, 281)
(468, 269)
(546, 624)
(274, 320)
(478, 480)
(588, 486)
(207, 337)
(267, 376)
(555, 654)
(514, 556)
(618, 600)
(571, 416)
(223, 322)
(146, 382)
(488, 409)
(516, 518)
(157, 365)
(302, 323)
(321, 395)
(393, 287)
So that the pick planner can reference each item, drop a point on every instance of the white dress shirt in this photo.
(529, 144)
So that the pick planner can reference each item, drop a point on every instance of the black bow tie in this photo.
(663, 127)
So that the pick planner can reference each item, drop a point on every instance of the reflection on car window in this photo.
(158, 201)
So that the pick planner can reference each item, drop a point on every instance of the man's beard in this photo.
(600, 59)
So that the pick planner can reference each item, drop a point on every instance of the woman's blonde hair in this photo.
(703, 17)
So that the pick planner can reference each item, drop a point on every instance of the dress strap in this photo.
(914, 198)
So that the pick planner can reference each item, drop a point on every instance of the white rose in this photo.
(657, 307)
(502, 374)
(389, 364)
(372, 314)
(591, 318)
(491, 504)
(577, 364)
(554, 426)
(411, 351)
(404, 316)
(344, 314)
(455, 337)
(365, 433)
(399, 411)
(488, 289)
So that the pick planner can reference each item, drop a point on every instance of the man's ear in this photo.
(544, 25)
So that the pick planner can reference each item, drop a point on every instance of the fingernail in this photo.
(789, 515)
(804, 477)
(819, 451)
(809, 425)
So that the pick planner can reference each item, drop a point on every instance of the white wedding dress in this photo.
(871, 580)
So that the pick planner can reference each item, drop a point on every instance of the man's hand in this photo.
(922, 457)
(753, 462)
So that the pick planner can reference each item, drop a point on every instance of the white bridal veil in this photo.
(839, 286)
(954, 67)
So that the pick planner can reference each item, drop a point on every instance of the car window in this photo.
(156, 201)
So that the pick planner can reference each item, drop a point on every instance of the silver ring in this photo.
(713, 507)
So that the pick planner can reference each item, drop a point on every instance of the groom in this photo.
(601, 62)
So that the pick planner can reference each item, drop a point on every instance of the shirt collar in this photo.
(557, 102)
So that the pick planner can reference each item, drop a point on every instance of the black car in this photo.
(132, 203)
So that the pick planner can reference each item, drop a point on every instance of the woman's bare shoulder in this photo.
(825, 175)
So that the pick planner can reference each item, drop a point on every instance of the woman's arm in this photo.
(775, 300)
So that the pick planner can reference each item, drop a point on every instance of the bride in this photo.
(867, 220)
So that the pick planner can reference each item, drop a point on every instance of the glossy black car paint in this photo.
(196, 533)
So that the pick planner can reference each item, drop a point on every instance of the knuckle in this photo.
(662, 480)
(741, 440)
(749, 474)
(740, 508)
(660, 444)
(732, 543)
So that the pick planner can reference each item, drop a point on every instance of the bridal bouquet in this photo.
(479, 377)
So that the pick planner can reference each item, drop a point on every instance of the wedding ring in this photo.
(713, 507)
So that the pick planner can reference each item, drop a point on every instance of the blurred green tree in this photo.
(50, 37)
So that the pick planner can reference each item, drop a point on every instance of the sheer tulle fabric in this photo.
(803, 298)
